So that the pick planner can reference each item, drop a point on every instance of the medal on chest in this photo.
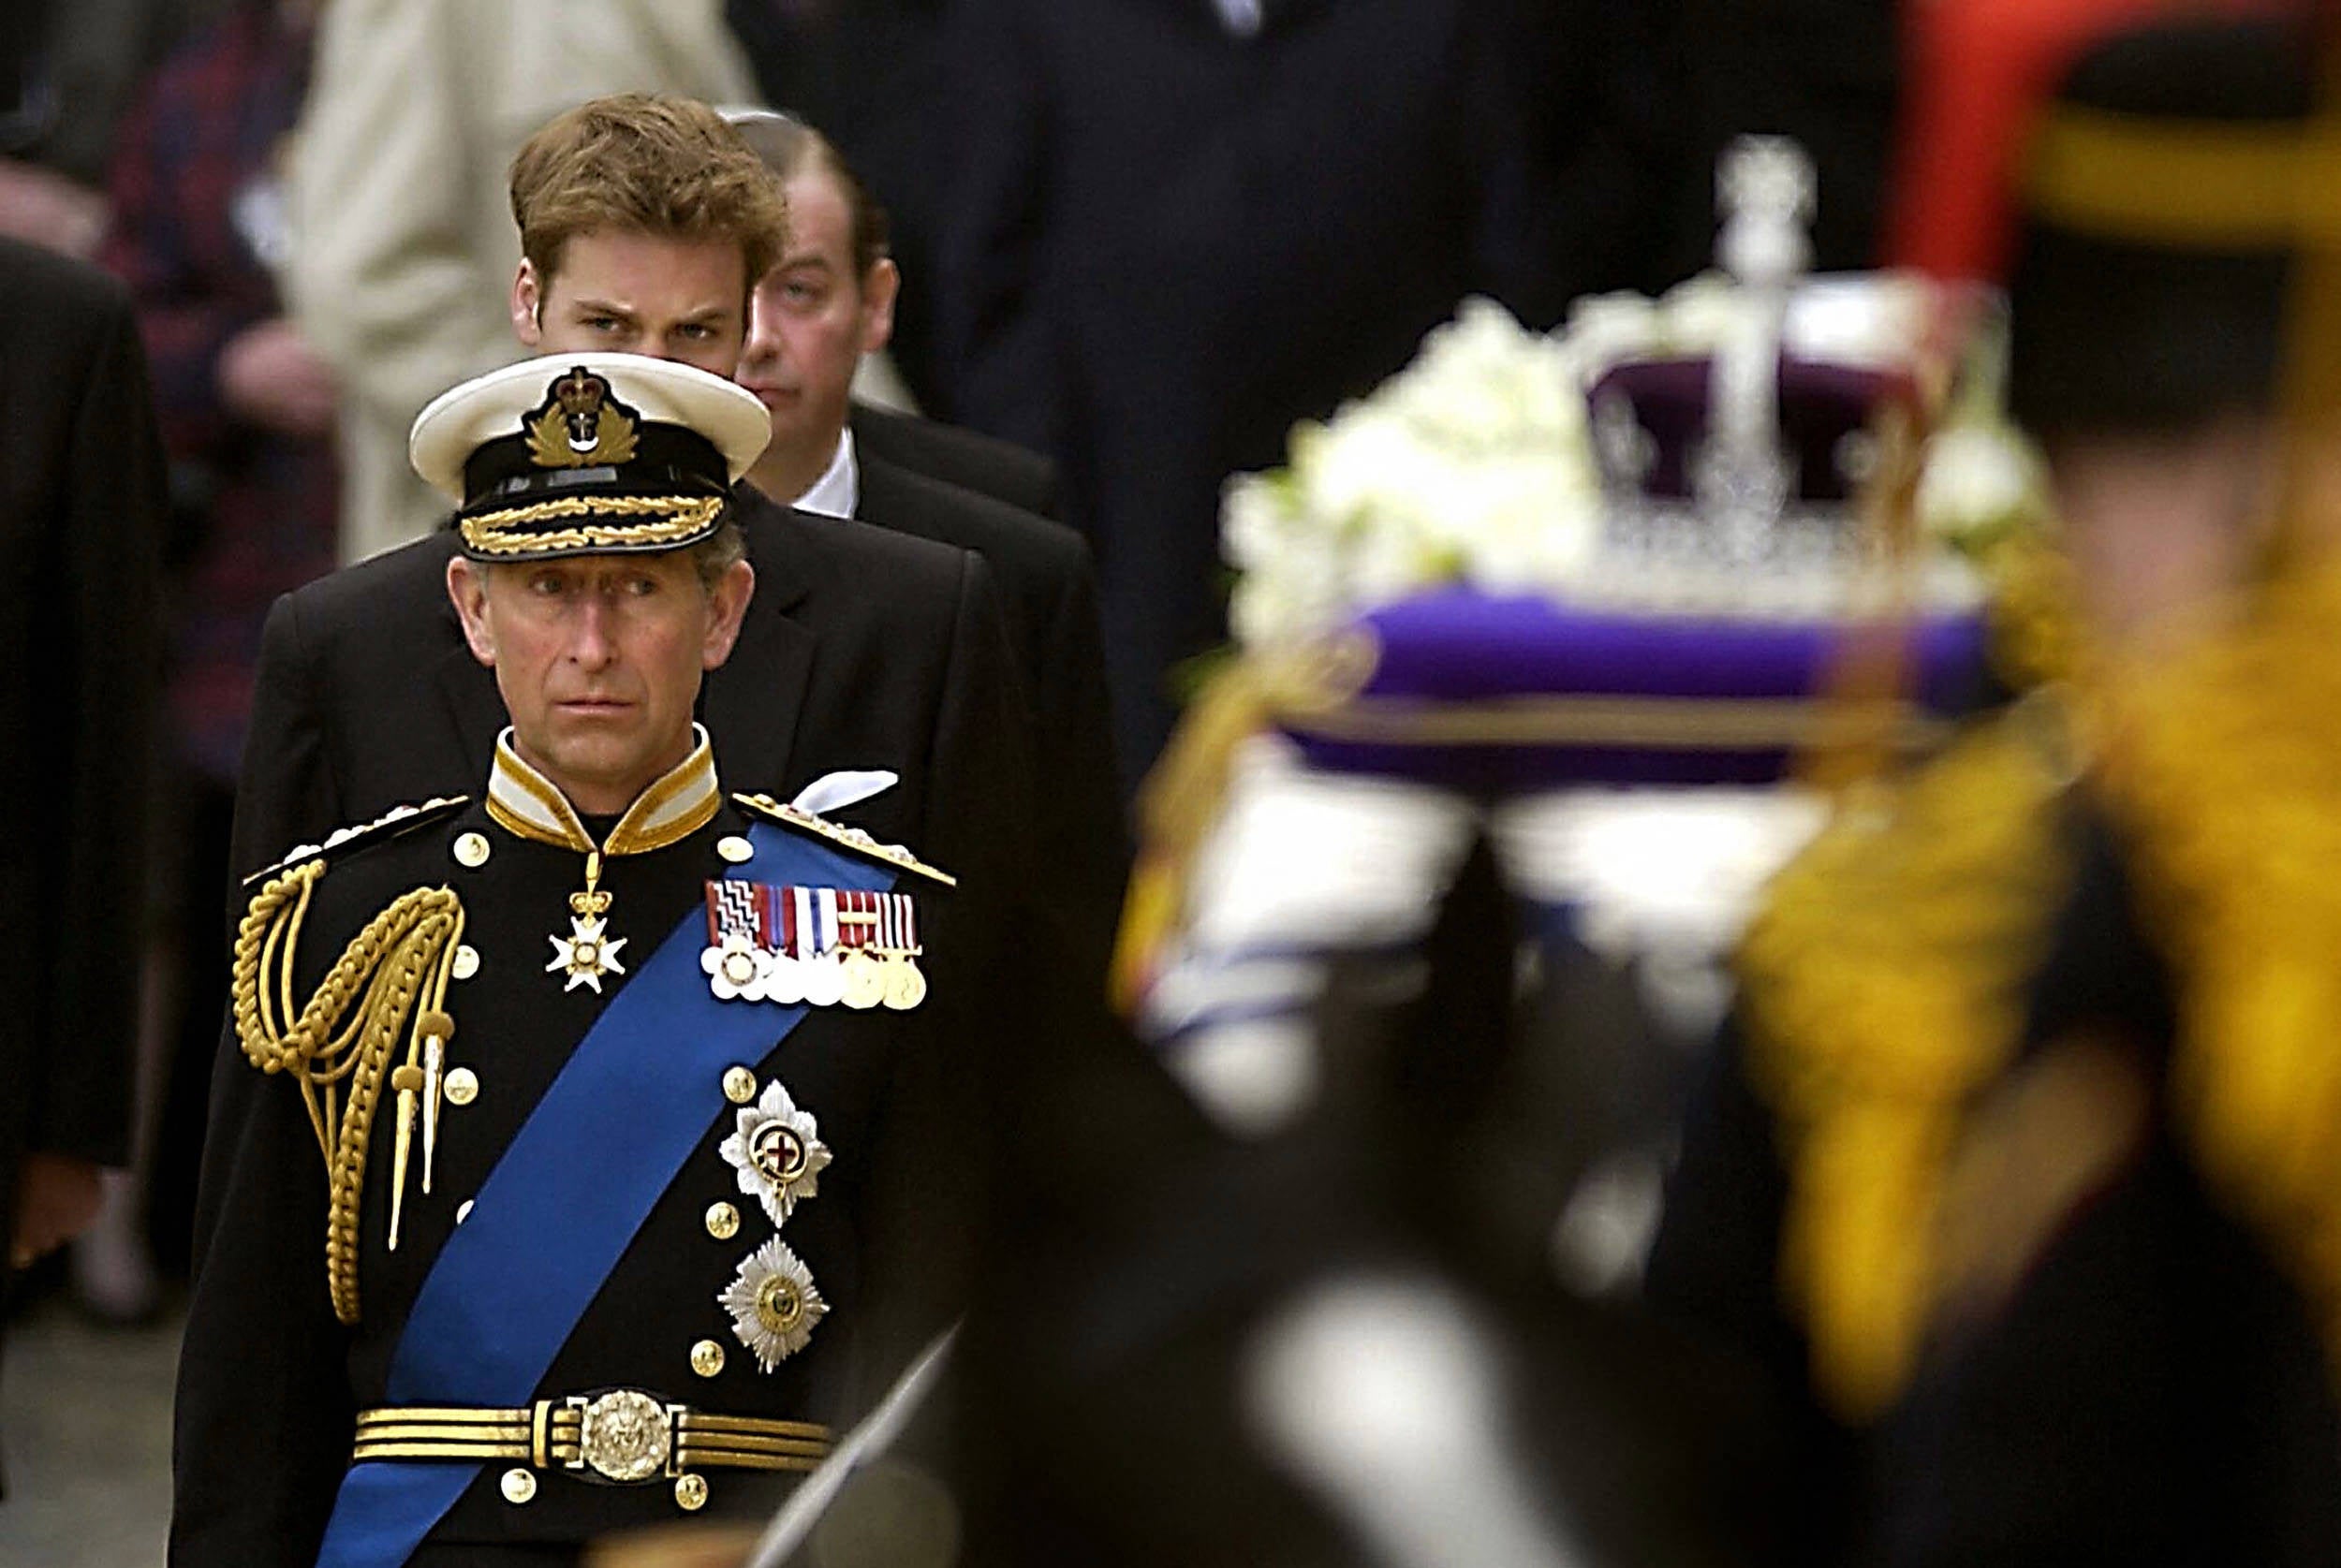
(589, 951)
(819, 946)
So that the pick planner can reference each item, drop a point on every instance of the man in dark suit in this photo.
(81, 519)
(1015, 476)
(829, 300)
(1180, 226)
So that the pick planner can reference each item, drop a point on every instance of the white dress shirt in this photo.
(838, 491)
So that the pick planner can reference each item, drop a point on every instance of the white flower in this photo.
(773, 1303)
(1473, 463)
(1259, 520)
(1535, 522)
(1976, 480)
(777, 1152)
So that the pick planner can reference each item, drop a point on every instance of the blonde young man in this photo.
(372, 695)
(404, 242)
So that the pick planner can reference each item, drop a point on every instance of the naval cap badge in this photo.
(581, 424)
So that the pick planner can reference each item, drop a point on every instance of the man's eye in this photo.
(697, 332)
(802, 294)
(642, 587)
(601, 323)
(547, 585)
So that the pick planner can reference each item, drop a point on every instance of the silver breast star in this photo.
(585, 953)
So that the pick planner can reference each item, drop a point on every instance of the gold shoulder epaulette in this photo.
(2225, 769)
(388, 988)
(390, 825)
(851, 839)
(1883, 986)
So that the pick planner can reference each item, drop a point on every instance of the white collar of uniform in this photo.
(524, 802)
(838, 491)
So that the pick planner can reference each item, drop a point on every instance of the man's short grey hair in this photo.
(716, 555)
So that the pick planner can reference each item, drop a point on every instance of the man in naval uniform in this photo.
(563, 1152)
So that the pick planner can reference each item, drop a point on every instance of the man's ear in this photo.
(528, 303)
(878, 292)
(467, 589)
(729, 600)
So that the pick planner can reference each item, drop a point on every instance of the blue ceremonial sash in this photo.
(559, 1210)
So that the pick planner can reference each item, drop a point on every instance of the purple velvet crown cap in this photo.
(1650, 417)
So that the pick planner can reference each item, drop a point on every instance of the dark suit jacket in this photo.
(1050, 593)
(1002, 470)
(1167, 244)
(81, 518)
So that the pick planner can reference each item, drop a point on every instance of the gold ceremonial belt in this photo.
(622, 1436)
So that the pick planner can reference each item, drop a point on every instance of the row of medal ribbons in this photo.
(819, 947)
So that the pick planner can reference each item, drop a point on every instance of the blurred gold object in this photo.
(2225, 769)
(1182, 797)
(681, 1546)
(1883, 986)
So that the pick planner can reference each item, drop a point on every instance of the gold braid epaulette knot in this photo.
(2225, 767)
(341, 1039)
(1882, 988)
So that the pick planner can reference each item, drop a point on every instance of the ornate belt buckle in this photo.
(625, 1435)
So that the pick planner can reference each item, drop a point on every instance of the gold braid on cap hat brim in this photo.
(667, 521)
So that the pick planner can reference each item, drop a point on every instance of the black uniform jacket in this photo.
(82, 516)
(270, 1380)
(1002, 470)
(2150, 1390)
(861, 649)
(1048, 590)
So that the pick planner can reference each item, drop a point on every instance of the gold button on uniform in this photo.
(471, 849)
(518, 1485)
(735, 849)
(466, 961)
(739, 1085)
(463, 1211)
(723, 1221)
(707, 1359)
(690, 1493)
(463, 1087)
